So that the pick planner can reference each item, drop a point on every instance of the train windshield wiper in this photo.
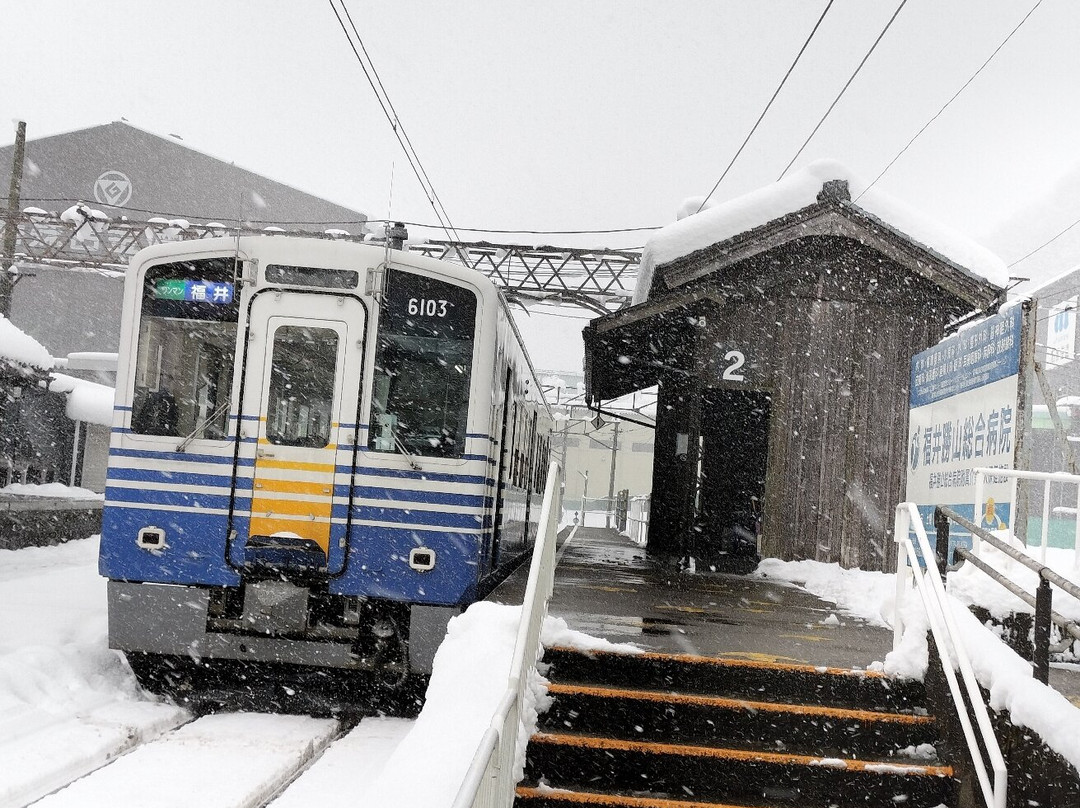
(201, 424)
(411, 457)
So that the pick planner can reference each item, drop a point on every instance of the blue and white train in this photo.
(321, 451)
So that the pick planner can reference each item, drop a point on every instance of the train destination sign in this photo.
(193, 291)
(964, 414)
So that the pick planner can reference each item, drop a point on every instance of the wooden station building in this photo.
(782, 355)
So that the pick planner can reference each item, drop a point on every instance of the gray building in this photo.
(125, 172)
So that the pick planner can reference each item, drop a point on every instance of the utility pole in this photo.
(7, 277)
(611, 479)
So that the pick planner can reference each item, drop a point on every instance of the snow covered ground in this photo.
(69, 706)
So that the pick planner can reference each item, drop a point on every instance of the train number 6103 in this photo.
(426, 307)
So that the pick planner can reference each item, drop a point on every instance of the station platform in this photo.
(607, 587)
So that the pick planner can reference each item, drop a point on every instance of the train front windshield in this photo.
(186, 350)
(423, 367)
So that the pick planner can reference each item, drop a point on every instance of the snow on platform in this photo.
(232, 760)
(42, 752)
(348, 765)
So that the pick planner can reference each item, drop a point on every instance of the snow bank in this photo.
(868, 595)
(718, 222)
(67, 703)
(1008, 678)
(469, 678)
(973, 587)
(55, 490)
(17, 345)
(556, 633)
(1000, 670)
(86, 401)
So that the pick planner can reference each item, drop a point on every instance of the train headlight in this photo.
(151, 538)
(422, 559)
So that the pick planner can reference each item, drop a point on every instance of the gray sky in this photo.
(571, 115)
(568, 115)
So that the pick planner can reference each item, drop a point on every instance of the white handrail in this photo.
(637, 519)
(939, 613)
(490, 780)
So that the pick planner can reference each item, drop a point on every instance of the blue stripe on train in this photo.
(184, 457)
(174, 499)
(409, 495)
(209, 502)
(469, 521)
(401, 474)
(166, 477)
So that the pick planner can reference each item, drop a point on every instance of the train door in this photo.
(302, 383)
(502, 474)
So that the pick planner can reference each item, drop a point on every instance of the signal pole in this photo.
(7, 278)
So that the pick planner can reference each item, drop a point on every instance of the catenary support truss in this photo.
(597, 279)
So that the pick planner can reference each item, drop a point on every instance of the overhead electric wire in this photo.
(397, 118)
(761, 117)
(947, 103)
(836, 100)
(395, 123)
(1045, 244)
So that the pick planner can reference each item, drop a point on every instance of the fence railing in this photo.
(637, 519)
(1041, 601)
(491, 778)
(1049, 477)
(947, 636)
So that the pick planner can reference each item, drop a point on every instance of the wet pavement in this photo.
(607, 587)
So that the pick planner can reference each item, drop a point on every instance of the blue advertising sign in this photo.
(964, 415)
(984, 353)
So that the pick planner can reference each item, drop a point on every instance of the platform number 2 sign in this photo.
(735, 360)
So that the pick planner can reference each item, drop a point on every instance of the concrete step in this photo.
(543, 797)
(736, 678)
(713, 774)
(649, 715)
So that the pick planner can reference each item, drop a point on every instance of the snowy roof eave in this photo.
(19, 350)
(805, 189)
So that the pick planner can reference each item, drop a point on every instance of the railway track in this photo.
(231, 760)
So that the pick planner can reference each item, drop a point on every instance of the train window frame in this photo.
(421, 329)
(315, 277)
(185, 350)
(291, 421)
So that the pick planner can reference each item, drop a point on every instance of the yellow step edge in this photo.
(724, 662)
(271, 484)
(751, 756)
(290, 465)
(293, 507)
(737, 704)
(616, 800)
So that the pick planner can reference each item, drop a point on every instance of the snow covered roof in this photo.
(719, 222)
(86, 401)
(20, 348)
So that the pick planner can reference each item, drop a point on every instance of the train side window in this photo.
(302, 374)
(423, 367)
(186, 350)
